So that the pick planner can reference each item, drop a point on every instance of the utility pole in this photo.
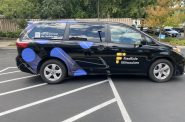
(98, 10)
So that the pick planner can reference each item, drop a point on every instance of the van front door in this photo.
(125, 57)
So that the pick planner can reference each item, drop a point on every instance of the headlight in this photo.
(176, 49)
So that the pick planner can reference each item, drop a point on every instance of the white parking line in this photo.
(122, 108)
(7, 69)
(89, 111)
(22, 89)
(50, 98)
(5, 81)
(10, 72)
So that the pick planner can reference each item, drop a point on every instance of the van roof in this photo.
(73, 21)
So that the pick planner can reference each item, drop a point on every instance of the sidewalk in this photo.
(181, 47)
(7, 44)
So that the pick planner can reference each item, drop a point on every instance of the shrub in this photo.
(10, 34)
(22, 23)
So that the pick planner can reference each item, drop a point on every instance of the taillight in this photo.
(22, 44)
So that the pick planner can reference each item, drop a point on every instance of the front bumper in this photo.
(180, 68)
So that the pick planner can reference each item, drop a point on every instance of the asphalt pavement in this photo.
(26, 98)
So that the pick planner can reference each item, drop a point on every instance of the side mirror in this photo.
(137, 44)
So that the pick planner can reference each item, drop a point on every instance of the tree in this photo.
(165, 13)
(16, 8)
(136, 8)
(55, 9)
(52, 9)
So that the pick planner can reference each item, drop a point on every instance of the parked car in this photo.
(180, 30)
(150, 30)
(59, 49)
(144, 29)
(155, 31)
(172, 33)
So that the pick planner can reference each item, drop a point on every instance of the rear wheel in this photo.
(161, 71)
(53, 71)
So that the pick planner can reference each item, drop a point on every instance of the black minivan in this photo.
(60, 49)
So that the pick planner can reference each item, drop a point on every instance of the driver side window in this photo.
(124, 35)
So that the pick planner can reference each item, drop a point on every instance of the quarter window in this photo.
(124, 35)
(48, 31)
(85, 32)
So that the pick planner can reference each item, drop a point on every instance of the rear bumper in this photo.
(22, 65)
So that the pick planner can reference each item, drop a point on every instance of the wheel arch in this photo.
(50, 58)
(158, 58)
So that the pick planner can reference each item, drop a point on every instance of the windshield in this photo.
(168, 30)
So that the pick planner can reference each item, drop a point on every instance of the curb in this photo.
(7, 48)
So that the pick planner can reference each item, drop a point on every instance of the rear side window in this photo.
(87, 32)
(48, 31)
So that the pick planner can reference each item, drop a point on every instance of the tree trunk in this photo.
(160, 34)
(184, 31)
(142, 24)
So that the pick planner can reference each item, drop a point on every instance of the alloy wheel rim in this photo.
(52, 72)
(161, 71)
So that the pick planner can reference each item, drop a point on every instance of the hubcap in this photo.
(161, 71)
(52, 72)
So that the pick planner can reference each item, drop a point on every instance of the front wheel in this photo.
(53, 71)
(161, 71)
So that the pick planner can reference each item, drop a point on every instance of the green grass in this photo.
(171, 41)
(174, 41)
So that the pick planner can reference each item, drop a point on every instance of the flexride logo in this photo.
(119, 57)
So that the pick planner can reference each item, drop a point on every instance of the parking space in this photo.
(26, 98)
(29, 99)
(7, 58)
(152, 102)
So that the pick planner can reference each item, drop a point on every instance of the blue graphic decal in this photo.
(86, 45)
(42, 41)
(80, 72)
(34, 63)
(28, 55)
(73, 68)
(31, 58)
(59, 53)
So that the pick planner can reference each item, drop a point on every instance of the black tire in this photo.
(59, 65)
(151, 71)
